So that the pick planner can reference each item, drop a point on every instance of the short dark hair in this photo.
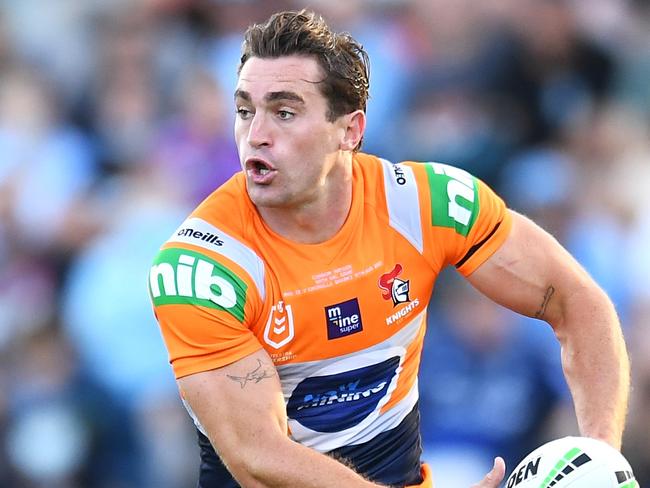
(343, 60)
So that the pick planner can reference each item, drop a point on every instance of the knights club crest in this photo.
(394, 288)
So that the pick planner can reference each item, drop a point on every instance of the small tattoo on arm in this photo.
(547, 298)
(257, 375)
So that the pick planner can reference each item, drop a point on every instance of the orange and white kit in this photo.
(343, 320)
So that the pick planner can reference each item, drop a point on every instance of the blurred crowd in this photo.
(116, 120)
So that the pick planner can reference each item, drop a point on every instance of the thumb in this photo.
(494, 477)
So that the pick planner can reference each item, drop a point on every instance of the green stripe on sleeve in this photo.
(182, 276)
(454, 197)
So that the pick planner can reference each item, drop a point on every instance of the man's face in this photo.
(287, 147)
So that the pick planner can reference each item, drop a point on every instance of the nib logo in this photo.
(279, 329)
(393, 287)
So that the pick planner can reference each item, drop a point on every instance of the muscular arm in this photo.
(533, 275)
(242, 408)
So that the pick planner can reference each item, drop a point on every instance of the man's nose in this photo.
(259, 133)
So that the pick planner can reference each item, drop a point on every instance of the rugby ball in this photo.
(573, 462)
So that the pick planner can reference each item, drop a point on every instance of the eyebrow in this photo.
(272, 96)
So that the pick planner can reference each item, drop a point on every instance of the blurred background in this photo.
(116, 120)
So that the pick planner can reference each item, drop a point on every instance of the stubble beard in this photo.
(281, 198)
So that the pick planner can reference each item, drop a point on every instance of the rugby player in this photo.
(293, 299)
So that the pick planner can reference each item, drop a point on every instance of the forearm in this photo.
(286, 463)
(533, 275)
(595, 363)
(242, 409)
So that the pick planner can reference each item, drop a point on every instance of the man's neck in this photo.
(316, 221)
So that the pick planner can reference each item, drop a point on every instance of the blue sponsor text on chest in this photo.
(345, 393)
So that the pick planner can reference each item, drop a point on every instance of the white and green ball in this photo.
(573, 462)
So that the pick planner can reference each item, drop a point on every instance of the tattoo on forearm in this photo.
(257, 375)
(547, 298)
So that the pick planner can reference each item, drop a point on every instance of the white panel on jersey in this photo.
(354, 434)
(200, 233)
(392, 418)
(323, 395)
(403, 202)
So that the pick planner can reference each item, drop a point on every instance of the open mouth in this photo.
(259, 170)
(261, 167)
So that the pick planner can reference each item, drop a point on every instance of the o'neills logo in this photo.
(399, 174)
(202, 236)
(393, 287)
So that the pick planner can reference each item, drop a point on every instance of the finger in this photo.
(494, 477)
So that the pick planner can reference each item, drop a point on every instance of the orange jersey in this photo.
(343, 320)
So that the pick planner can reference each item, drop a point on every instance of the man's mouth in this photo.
(260, 171)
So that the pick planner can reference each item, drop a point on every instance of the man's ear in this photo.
(354, 126)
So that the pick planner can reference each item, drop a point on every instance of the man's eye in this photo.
(285, 114)
(244, 113)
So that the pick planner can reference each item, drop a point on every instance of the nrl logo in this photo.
(279, 329)
(393, 287)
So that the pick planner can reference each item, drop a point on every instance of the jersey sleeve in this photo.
(204, 302)
(466, 222)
